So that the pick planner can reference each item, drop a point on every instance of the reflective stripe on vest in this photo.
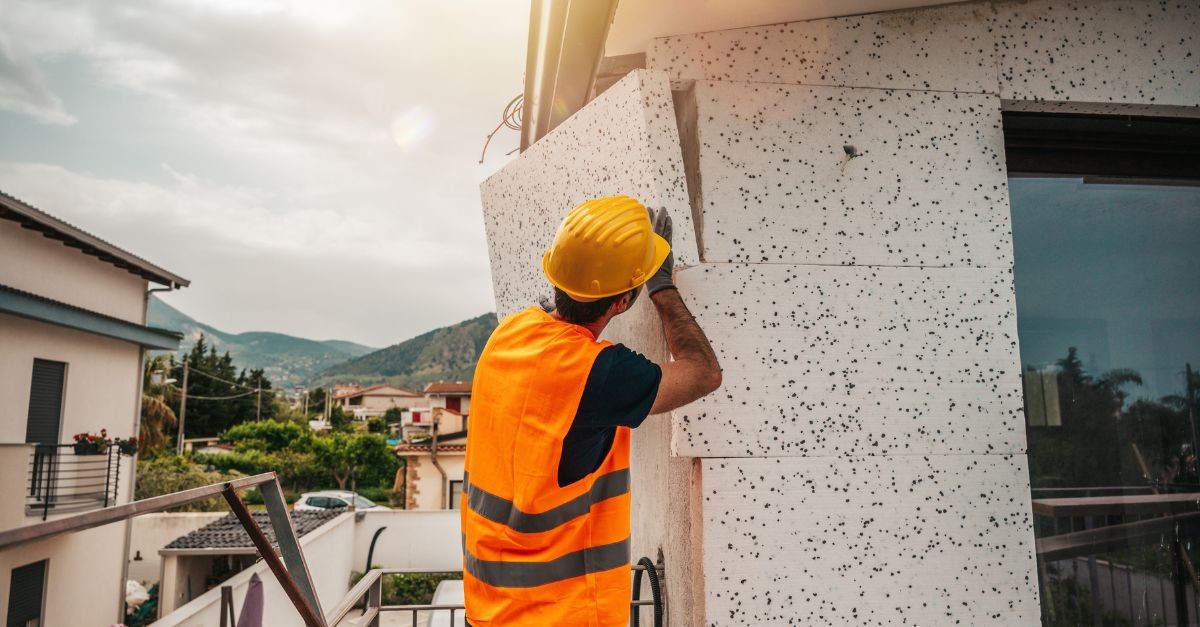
(535, 552)
(501, 510)
(530, 574)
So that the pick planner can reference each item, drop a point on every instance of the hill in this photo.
(286, 360)
(445, 354)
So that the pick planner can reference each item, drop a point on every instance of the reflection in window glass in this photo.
(1108, 312)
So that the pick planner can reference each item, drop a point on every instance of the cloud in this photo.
(23, 90)
(289, 142)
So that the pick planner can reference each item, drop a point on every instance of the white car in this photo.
(333, 499)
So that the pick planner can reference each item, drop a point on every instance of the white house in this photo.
(73, 336)
(883, 215)
(375, 400)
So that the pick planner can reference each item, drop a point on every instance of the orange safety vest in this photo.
(534, 553)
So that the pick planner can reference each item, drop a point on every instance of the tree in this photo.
(158, 419)
(219, 396)
(344, 456)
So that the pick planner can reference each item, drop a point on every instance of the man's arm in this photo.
(694, 371)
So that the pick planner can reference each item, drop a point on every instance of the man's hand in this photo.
(661, 279)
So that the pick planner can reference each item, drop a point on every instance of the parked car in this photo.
(334, 499)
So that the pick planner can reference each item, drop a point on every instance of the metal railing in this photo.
(367, 597)
(287, 564)
(61, 480)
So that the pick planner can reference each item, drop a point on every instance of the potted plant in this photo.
(127, 446)
(92, 444)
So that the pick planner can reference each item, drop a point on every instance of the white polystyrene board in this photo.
(854, 361)
(1125, 51)
(941, 48)
(903, 540)
(623, 142)
(928, 186)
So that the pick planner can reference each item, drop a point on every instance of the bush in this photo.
(170, 473)
(376, 424)
(269, 435)
(408, 588)
(296, 469)
(253, 496)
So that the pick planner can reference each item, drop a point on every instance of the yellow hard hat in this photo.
(603, 247)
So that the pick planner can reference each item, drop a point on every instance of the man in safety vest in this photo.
(546, 515)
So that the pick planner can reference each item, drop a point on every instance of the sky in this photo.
(311, 166)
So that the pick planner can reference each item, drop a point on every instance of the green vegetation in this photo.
(167, 473)
(408, 588)
(448, 353)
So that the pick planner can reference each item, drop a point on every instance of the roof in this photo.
(374, 390)
(37, 220)
(448, 443)
(36, 307)
(448, 387)
(227, 532)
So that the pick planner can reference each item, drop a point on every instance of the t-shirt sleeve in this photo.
(620, 389)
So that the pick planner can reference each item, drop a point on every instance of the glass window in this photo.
(455, 494)
(1107, 275)
(363, 503)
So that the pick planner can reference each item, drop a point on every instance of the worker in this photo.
(546, 516)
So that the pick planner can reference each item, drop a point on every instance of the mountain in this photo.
(445, 354)
(286, 360)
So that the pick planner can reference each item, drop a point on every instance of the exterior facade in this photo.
(431, 478)
(376, 399)
(72, 341)
(847, 195)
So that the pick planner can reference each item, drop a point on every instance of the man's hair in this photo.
(576, 312)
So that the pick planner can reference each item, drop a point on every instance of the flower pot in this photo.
(128, 449)
(87, 448)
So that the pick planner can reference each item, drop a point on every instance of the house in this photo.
(375, 400)
(200, 560)
(73, 338)
(884, 213)
(455, 395)
(431, 478)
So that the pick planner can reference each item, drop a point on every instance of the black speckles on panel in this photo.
(947, 49)
(624, 142)
(1125, 51)
(905, 540)
(855, 361)
(928, 187)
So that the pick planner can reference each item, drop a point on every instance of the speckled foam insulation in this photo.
(863, 463)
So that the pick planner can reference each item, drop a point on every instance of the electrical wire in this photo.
(213, 376)
(213, 398)
(512, 117)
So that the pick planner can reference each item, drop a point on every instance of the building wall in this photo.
(864, 461)
(83, 581)
(328, 552)
(425, 484)
(413, 539)
(37, 264)
(440, 401)
(102, 378)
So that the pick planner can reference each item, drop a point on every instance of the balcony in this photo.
(59, 480)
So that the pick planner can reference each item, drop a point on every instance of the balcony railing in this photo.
(60, 480)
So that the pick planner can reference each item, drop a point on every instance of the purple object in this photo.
(252, 607)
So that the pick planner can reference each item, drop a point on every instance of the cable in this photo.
(512, 117)
(213, 376)
(215, 398)
(655, 592)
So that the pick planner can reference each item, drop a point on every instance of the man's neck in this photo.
(595, 328)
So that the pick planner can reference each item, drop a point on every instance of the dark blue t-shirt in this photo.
(619, 392)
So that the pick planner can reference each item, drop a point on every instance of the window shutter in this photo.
(25, 594)
(45, 402)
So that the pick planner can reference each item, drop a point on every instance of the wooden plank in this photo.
(1117, 504)
(99, 517)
